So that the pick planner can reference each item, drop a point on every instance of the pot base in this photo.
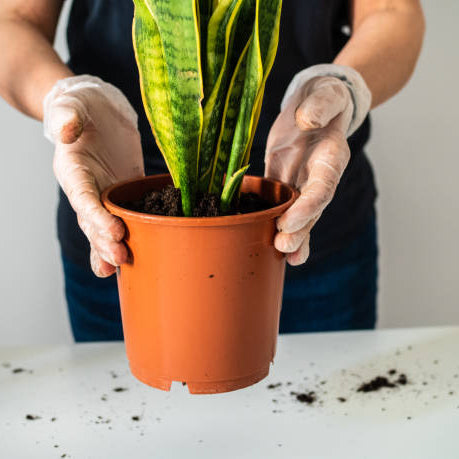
(210, 387)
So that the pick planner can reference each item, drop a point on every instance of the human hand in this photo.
(307, 148)
(98, 144)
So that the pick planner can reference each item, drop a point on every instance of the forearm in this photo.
(384, 48)
(29, 66)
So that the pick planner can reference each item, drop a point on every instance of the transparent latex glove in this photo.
(94, 128)
(307, 148)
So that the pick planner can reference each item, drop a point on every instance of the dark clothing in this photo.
(93, 304)
(99, 37)
(337, 293)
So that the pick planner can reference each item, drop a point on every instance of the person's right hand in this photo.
(98, 144)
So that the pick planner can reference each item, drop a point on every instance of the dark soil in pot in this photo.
(168, 202)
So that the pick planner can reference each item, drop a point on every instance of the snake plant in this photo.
(203, 66)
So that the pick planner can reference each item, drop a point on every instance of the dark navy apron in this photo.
(100, 43)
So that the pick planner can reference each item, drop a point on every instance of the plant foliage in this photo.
(203, 66)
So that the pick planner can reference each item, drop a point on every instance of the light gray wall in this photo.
(32, 307)
(413, 149)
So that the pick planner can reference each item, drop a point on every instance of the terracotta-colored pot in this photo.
(201, 300)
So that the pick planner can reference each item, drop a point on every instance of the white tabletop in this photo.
(71, 389)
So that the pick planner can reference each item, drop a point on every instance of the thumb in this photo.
(321, 106)
(65, 120)
(66, 124)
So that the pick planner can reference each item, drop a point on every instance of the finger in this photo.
(301, 255)
(283, 162)
(329, 159)
(291, 242)
(66, 122)
(322, 105)
(96, 221)
(99, 266)
(284, 149)
(79, 185)
(315, 195)
(112, 252)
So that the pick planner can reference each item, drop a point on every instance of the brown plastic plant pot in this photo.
(201, 299)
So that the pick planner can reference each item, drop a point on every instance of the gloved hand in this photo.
(97, 142)
(307, 147)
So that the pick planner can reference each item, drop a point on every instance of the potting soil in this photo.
(168, 202)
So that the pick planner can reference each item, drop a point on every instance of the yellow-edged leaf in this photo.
(171, 85)
(261, 58)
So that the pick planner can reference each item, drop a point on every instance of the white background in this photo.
(415, 156)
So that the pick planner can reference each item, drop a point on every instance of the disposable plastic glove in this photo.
(307, 147)
(97, 142)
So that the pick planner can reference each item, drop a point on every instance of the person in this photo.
(337, 59)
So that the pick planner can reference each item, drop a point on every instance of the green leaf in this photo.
(206, 129)
(205, 8)
(260, 60)
(228, 33)
(229, 29)
(230, 188)
(269, 43)
(171, 85)
(219, 31)
(219, 46)
(230, 116)
(256, 118)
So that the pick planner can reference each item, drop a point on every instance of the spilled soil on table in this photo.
(392, 380)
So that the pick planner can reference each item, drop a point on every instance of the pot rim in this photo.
(227, 220)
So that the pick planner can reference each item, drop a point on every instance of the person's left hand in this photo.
(307, 148)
